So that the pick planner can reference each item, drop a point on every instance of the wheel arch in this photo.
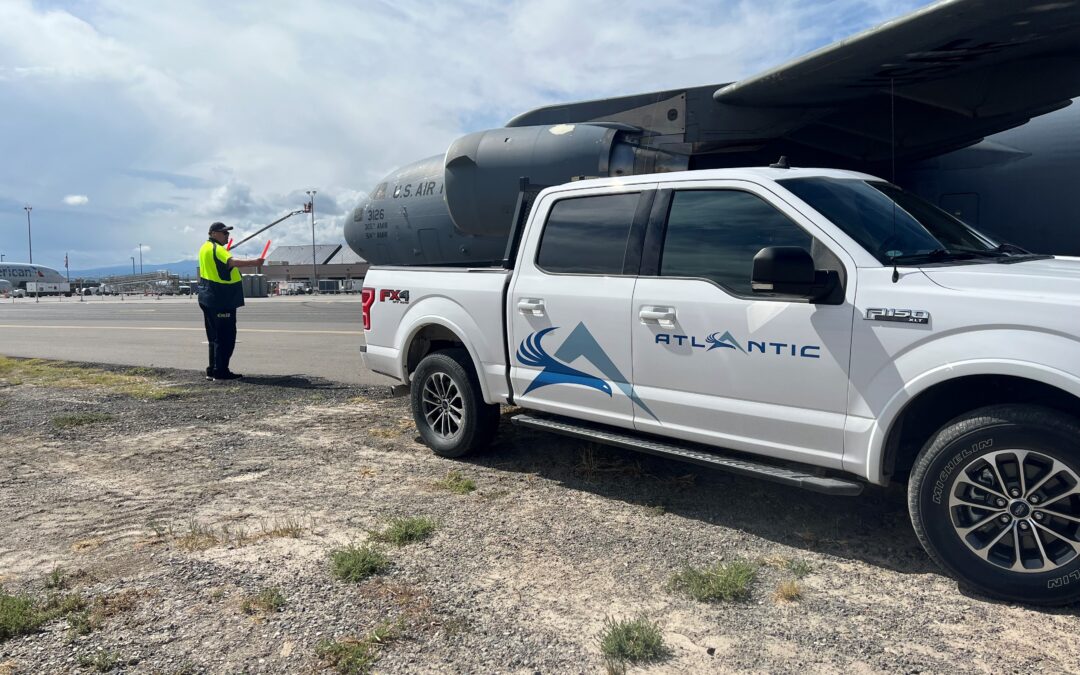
(931, 401)
(437, 334)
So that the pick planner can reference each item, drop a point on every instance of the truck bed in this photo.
(465, 300)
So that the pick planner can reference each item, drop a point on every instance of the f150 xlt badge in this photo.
(897, 315)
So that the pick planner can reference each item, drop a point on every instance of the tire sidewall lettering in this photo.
(1064, 580)
(956, 461)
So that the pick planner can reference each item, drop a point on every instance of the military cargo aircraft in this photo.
(963, 102)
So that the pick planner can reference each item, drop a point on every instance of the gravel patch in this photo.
(172, 512)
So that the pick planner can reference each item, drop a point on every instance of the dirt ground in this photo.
(164, 502)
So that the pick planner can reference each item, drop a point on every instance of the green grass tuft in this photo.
(457, 483)
(267, 600)
(79, 419)
(356, 563)
(352, 656)
(18, 616)
(633, 640)
(40, 372)
(102, 661)
(728, 582)
(799, 568)
(403, 531)
(56, 580)
(22, 615)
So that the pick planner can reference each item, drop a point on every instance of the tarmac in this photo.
(292, 335)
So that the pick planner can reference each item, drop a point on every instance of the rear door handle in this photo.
(534, 306)
(665, 316)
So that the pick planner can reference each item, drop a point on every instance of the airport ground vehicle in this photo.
(48, 288)
(823, 327)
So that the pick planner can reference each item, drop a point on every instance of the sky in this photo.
(125, 122)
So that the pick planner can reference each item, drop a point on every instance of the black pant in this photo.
(221, 335)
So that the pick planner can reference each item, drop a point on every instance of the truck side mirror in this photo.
(789, 270)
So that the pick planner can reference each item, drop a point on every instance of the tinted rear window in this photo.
(587, 235)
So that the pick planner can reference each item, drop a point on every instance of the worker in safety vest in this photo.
(220, 294)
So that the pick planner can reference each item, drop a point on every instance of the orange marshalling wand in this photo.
(266, 249)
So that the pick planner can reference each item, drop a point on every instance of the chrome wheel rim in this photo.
(1018, 510)
(442, 405)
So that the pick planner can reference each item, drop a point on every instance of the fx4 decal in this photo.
(390, 295)
(580, 344)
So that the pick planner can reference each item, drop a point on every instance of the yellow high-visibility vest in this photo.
(214, 264)
(219, 287)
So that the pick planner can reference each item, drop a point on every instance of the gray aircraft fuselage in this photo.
(1018, 186)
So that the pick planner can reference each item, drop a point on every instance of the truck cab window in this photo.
(715, 234)
(587, 235)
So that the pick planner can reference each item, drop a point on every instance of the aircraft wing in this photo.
(940, 78)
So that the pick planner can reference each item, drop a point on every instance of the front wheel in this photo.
(448, 405)
(995, 499)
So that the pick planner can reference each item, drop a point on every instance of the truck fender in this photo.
(453, 317)
(872, 468)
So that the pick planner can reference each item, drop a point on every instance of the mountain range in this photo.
(184, 268)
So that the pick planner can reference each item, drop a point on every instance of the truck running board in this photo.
(688, 453)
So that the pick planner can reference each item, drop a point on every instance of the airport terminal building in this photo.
(337, 267)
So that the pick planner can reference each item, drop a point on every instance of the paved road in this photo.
(299, 335)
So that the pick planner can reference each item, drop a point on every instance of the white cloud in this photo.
(76, 200)
(175, 117)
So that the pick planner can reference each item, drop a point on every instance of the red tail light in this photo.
(367, 297)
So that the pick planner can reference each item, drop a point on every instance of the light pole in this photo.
(29, 239)
(140, 259)
(314, 269)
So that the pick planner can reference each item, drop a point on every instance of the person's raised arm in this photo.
(246, 262)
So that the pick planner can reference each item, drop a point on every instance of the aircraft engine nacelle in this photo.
(483, 169)
(458, 208)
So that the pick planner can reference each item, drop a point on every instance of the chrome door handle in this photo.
(534, 306)
(665, 316)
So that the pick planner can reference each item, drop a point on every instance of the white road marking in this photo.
(184, 328)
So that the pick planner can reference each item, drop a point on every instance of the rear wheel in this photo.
(448, 405)
(995, 499)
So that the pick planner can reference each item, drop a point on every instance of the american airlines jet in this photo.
(17, 274)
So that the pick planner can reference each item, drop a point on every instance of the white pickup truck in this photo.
(818, 328)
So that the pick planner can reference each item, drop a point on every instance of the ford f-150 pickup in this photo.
(819, 328)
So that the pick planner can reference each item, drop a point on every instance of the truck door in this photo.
(719, 364)
(569, 304)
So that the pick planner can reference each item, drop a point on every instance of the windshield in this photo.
(890, 223)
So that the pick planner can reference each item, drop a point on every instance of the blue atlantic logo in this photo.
(726, 340)
(580, 344)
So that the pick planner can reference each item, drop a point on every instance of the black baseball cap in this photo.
(219, 227)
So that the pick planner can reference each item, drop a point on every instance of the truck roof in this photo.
(754, 173)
